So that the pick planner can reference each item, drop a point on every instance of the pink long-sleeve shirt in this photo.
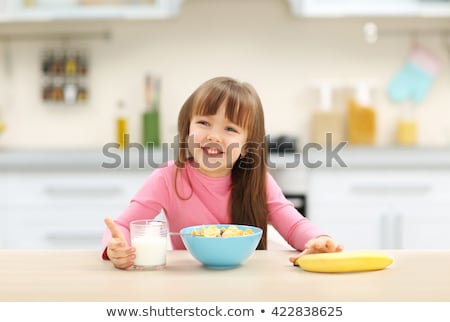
(208, 204)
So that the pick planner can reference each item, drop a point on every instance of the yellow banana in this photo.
(342, 262)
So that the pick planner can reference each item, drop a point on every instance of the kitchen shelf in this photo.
(354, 157)
(18, 11)
(366, 157)
(81, 160)
(369, 8)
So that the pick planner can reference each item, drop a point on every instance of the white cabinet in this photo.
(427, 228)
(63, 209)
(372, 209)
(50, 10)
(3, 218)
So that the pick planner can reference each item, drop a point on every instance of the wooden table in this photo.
(266, 276)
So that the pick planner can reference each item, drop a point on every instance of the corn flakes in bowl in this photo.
(221, 246)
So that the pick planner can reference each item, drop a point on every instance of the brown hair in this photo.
(248, 204)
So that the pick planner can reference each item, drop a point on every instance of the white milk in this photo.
(150, 251)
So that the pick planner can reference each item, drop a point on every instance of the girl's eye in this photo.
(231, 129)
(203, 122)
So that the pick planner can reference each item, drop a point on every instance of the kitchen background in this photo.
(260, 41)
(54, 190)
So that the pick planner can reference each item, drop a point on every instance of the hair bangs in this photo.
(240, 111)
(207, 102)
(239, 108)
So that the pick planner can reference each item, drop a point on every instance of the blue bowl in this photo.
(221, 252)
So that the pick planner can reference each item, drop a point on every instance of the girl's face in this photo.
(215, 143)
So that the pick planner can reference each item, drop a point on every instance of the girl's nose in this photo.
(213, 138)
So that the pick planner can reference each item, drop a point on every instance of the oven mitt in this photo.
(414, 80)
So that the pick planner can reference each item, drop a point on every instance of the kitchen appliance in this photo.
(282, 144)
(299, 201)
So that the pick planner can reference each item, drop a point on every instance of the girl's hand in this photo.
(321, 244)
(118, 251)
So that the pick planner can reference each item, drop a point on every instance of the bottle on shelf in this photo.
(70, 92)
(47, 62)
(82, 66)
(121, 124)
(57, 68)
(47, 90)
(150, 118)
(2, 125)
(70, 64)
(57, 90)
(82, 94)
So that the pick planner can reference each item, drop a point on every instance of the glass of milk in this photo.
(149, 238)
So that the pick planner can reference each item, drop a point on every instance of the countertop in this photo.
(135, 158)
(80, 276)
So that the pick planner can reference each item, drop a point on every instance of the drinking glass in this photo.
(149, 238)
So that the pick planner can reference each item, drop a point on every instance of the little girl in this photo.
(219, 177)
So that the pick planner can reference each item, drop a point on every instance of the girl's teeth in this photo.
(212, 151)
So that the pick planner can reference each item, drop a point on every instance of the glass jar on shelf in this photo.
(57, 90)
(82, 66)
(82, 93)
(70, 91)
(47, 62)
(58, 63)
(70, 64)
(406, 133)
(47, 90)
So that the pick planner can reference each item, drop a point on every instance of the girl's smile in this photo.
(212, 151)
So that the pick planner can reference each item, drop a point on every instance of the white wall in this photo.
(255, 40)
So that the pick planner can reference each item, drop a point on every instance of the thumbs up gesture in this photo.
(118, 251)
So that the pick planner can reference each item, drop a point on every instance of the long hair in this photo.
(248, 204)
